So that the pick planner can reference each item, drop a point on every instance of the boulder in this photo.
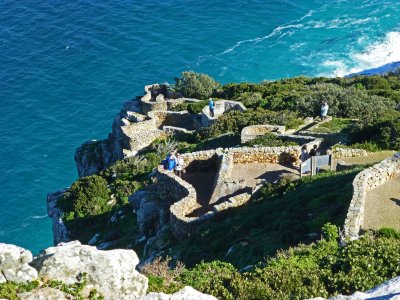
(187, 293)
(152, 212)
(14, 264)
(112, 273)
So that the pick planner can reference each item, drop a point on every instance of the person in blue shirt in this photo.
(171, 161)
(211, 106)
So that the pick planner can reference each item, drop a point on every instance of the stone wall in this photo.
(139, 135)
(252, 132)
(273, 155)
(158, 97)
(223, 184)
(221, 107)
(365, 181)
(348, 152)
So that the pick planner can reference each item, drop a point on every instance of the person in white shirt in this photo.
(179, 165)
(324, 110)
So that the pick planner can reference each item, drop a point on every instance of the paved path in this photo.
(253, 171)
(382, 206)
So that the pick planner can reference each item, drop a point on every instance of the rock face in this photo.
(112, 273)
(388, 290)
(187, 293)
(14, 264)
(131, 132)
(60, 232)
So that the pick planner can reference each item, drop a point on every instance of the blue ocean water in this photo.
(67, 66)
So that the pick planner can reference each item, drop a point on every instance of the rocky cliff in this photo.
(94, 156)
(111, 274)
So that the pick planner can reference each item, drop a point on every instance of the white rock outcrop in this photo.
(187, 293)
(112, 273)
(14, 264)
(388, 290)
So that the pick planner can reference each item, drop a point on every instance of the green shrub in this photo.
(211, 278)
(321, 269)
(193, 108)
(196, 85)
(9, 289)
(235, 121)
(87, 196)
(270, 140)
(384, 133)
(388, 233)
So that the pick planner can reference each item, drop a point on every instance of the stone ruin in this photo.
(363, 183)
(221, 107)
(183, 208)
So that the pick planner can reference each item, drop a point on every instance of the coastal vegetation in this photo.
(273, 248)
(321, 269)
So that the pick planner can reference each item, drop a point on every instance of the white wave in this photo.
(296, 46)
(308, 14)
(275, 32)
(374, 55)
(39, 217)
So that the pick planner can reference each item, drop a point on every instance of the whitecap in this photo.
(40, 217)
(372, 56)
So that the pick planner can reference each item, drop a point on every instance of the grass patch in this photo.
(337, 125)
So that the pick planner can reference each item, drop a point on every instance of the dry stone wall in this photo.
(273, 155)
(158, 97)
(252, 132)
(365, 181)
(221, 107)
(133, 129)
(181, 221)
(348, 152)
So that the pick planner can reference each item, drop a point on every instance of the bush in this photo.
(88, 196)
(343, 102)
(211, 278)
(193, 108)
(321, 269)
(384, 133)
(270, 140)
(196, 85)
(235, 121)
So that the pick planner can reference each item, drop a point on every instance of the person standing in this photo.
(171, 161)
(211, 106)
(304, 154)
(314, 151)
(179, 165)
(324, 110)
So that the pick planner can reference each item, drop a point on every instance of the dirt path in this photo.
(382, 206)
(253, 171)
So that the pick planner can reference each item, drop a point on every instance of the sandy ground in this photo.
(382, 206)
(253, 171)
